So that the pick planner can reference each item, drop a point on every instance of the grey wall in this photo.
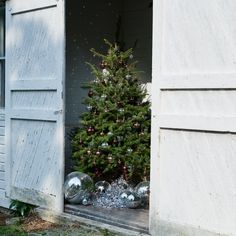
(137, 19)
(88, 22)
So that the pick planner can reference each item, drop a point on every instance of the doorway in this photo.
(88, 23)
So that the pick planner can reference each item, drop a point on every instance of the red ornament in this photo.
(103, 65)
(90, 93)
(120, 104)
(115, 141)
(90, 130)
(98, 153)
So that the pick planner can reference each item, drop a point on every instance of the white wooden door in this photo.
(34, 101)
(193, 172)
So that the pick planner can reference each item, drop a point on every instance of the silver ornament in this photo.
(129, 150)
(77, 186)
(121, 110)
(131, 199)
(102, 186)
(105, 145)
(89, 108)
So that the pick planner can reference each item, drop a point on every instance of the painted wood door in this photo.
(34, 101)
(193, 179)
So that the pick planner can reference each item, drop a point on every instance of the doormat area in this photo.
(132, 219)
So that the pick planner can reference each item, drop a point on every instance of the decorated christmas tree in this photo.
(114, 137)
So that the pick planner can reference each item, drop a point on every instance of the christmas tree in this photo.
(114, 137)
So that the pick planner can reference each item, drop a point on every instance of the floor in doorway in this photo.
(134, 219)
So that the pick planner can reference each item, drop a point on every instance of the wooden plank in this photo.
(2, 194)
(157, 48)
(23, 7)
(4, 201)
(32, 196)
(2, 140)
(198, 81)
(2, 116)
(34, 115)
(197, 168)
(2, 175)
(199, 102)
(36, 84)
(218, 124)
(2, 184)
(2, 131)
(2, 123)
(2, 158)
(32, 100)
(2, 167)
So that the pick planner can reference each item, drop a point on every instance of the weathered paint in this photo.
(193, 181)
(4, 201)
(34, 102)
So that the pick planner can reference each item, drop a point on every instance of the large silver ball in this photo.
(77, 187)
(143, 188)
(143, 191)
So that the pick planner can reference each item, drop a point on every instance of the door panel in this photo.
(34, 101)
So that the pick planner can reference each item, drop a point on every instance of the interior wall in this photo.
(137, 27)
(87, 24)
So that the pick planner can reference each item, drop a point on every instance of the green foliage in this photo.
(106, 232)
(114, 136)
(21, 208)
(12, 230)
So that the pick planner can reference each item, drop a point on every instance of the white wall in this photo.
(193, 183)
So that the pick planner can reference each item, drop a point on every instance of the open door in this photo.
(193, 181)
(34, 101)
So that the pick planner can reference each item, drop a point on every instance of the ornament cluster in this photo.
(79, 188)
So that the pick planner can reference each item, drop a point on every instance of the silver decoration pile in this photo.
(79, 189)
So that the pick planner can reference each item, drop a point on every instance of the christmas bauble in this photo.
(136, 125)
(120, 104)
(128, 76)
(105, 72)
(110, 159)
(131, 199)
(102, 186)
(89, 152)
(77, 186)
(103, 97)
(86, 201)
(89, 108)
(90, 130)
(90, 93)
(129, 150)
(103, 65)
(143, 190)
(105, 145)
(121, 110)
(98, 153)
